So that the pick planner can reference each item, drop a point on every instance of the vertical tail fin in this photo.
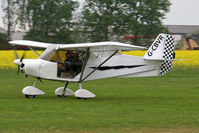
(162, 49)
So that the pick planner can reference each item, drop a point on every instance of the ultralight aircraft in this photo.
(90, 61)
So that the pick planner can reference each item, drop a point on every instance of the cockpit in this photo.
(69, 62)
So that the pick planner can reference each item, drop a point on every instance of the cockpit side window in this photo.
(60, 56)
(69, 63)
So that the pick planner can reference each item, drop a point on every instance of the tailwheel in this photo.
(30, 96)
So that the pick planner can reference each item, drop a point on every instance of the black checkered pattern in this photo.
(168, 56)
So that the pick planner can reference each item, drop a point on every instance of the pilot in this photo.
(72, 63)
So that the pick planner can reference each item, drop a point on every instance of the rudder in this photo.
(168, 55)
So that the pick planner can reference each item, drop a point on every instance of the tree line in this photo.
(59, 21)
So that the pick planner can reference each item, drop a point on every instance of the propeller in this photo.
(19, 61)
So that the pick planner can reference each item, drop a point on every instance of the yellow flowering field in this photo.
(191, 58)
(7, 57)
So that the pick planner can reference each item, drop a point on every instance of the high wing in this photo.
(98, 46)
(101, 46)
(30, 43)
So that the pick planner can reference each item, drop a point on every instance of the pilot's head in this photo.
(72, 54)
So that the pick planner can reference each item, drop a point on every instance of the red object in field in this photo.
(21, 48)
(138, 37)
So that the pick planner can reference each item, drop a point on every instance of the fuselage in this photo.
(118, 66)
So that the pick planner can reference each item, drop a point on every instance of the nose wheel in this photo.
(32, 91)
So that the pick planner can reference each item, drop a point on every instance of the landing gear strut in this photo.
(64, 91)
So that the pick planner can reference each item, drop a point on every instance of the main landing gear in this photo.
(80, 93)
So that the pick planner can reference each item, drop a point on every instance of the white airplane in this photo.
(90, 61)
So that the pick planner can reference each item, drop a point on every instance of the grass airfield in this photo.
(169, 103)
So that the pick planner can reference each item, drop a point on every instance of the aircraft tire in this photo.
(60, 96)
(30, 96)
(81, 98)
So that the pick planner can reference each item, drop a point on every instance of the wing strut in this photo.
(99, 65)
(33, 51)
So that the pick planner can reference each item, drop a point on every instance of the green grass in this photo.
(121, 105)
